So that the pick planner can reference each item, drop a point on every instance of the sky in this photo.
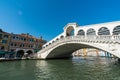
(47, 18)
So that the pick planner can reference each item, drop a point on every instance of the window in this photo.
(103, 31)
(61, 36)
(17, 38)
(29, 46)
(4, 41)
(23, 45)
(70, 31)
(12, 50)
(13, 37)
(21, 38)
(11, 44)
(5, 36)
(81, 32)
(24, 39)
(2, 47)
(0, 36)
(116, 30)
(31, 40)
(15, 44)
(91, 32)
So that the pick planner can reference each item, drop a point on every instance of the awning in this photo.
(2, 52)
(36, 50)
(5, 52)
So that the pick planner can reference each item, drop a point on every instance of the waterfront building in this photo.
(38, 44)
(4, 43)
(17, 46)
(25, 45)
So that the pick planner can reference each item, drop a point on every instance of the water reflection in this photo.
(89, 68)
(53, 69)
(76, 69)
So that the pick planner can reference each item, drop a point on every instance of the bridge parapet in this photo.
(89, 39)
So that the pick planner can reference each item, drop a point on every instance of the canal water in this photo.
(78, 68)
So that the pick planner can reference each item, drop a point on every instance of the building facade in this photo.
(25, 45)
(4, 43)
(90, 52)
(19, 45)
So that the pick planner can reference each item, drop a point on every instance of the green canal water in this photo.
(78, 68)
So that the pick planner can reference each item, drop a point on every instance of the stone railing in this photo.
(102, 38)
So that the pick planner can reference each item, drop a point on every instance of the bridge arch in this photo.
(91, 31)
(70, 31)
(65, 47)
(81, 32)
(65, 50)
(103, 31)
(20, 53)
(28, 53)
(104, 38)
(116, 30)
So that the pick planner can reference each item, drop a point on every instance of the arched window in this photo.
(62, 36)
(57, 39)
(91, 32)
(70, 31)
(103, 31)
(53, 41)
(49, 43)
(81, 32)
(116, 30)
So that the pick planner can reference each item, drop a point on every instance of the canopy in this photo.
(5, 52)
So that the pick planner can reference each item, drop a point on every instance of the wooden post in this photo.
(84, 52)
(97, 52)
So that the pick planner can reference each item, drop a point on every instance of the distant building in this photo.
(91, 52)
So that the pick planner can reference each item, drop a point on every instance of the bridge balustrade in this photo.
(88, 38)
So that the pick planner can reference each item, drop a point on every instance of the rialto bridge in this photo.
(103, 36)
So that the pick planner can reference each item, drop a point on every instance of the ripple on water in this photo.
(79, 68)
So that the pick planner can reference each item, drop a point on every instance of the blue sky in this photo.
(48, 17)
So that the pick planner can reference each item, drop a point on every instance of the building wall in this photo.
(91, 52)
(25, 42)
(4, 40)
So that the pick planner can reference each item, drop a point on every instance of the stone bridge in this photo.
(104, 36)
